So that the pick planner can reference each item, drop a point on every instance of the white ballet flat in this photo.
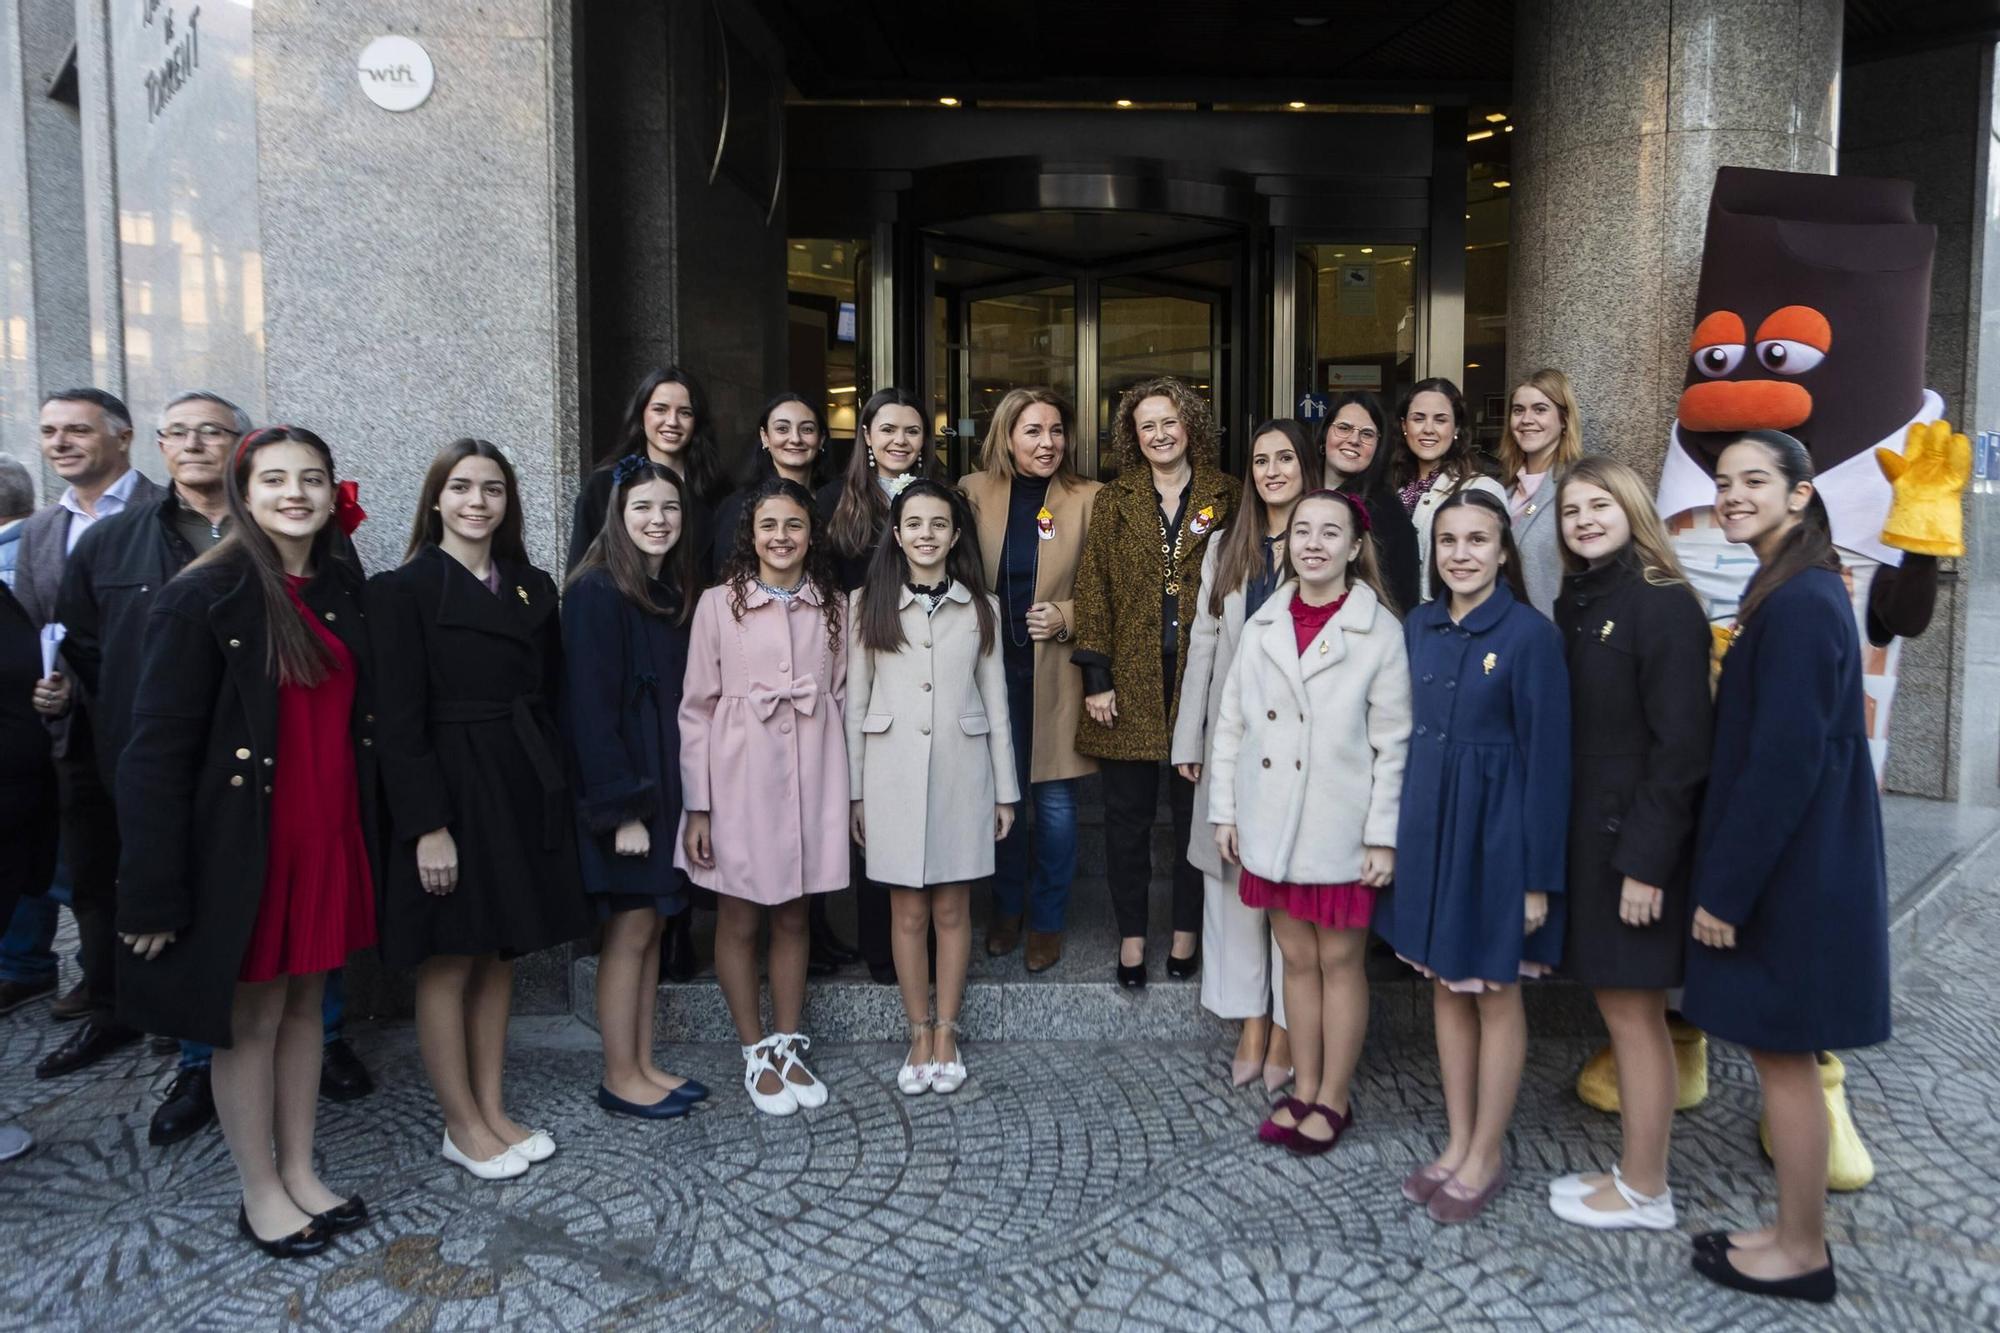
(811, 1094)
(1574, 1186)
(915, 1080)
(1641, 1211)
(539, 1146)
(505, 1165)
(756, 1061)
(948, 1076)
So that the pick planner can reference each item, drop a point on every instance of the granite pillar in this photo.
(1625, 113)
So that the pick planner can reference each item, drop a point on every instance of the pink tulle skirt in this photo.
(1334, 906)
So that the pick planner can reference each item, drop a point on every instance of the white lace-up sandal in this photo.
(1649, 1212)
(757, 1060)
(914, 1080)
(948, 1076)
(810, 1094)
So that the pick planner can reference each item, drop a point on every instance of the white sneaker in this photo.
(1641, 1211)
(504, 1165)
(812, 1093)
(756, 1060)
(948, 1076)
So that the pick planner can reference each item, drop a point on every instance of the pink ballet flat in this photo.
(1422, 1183)
(1277, 1135)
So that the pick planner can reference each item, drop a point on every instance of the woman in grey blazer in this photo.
(1543, 435)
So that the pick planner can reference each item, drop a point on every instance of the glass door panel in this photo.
(1357, 320)
(1145, 330)
(1014, 338)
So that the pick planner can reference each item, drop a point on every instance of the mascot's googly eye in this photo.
(1782, 356)
(1718, 359)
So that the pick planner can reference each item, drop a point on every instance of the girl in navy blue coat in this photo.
(1791, 931)
(625, 635)
(1481, 839)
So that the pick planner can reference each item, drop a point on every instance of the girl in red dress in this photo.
(246, 872)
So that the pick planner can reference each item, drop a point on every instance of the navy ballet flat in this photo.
(690, 1091)
(670, 1107)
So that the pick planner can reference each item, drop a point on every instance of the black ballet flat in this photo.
(306, 1241)
(1716, 1241)
(1817, 1286)
(1180, 969)
(342, 1217)
(1133, 977)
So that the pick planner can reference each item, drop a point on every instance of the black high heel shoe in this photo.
(1180, 969)
(307, 1240)
(1133, 977)
(342, 1217)
(1818, 1286)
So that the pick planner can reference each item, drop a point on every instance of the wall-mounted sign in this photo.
(396, 73)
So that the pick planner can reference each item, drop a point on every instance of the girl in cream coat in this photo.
(931, 755)
(1305, 783)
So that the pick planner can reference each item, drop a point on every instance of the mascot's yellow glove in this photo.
(1929, 476)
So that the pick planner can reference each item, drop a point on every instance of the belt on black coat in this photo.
(521, 711)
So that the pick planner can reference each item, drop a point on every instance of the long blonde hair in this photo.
(1649, 535)
(996, 455)
(1553, 385)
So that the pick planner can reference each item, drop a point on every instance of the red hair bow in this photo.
(347, 510)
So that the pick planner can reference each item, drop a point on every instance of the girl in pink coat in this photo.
(764, 773)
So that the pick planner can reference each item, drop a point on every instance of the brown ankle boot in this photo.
(1044, 949)
(1003, 933)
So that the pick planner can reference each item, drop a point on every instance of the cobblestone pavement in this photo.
(1066, 1186)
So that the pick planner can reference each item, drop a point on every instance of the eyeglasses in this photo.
(208, 431)
(1346, 430)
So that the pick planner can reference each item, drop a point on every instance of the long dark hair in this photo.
(739, 571)
(428, 529)
(614, 551)
(703, 455)
(1809, 545)
(881, 619)
(1241, 551)
(1510, 565)
(1457, 465)
(857, 520)
(293, 654)
(1371, 480)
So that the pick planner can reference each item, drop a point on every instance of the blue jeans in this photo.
(27, 950)
(1035, 879)
(332, 1013)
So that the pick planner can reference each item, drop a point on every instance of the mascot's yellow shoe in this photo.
(1848, 1165)
(1928, 477)
(1597, 1081)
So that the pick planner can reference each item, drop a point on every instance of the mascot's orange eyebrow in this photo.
(1799, 324)
(1719, 328)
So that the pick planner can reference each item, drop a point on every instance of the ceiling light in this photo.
(1477, 135)
(947, 101)
(1124, 101)
(1495, 117)
(1472, 365)
(1296, 106)
(845, 388)
(1508, 128)
(798, 245)
(1501, 185)
(1367, 249)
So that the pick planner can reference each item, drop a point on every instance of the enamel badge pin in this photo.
(1045, 523)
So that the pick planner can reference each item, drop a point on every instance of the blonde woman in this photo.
(1031, 511)
(1543, 435)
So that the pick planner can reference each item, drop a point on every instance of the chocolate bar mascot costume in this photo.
(1810, 318)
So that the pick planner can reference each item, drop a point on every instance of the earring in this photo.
(871, 457)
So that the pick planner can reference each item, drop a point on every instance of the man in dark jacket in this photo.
(107, 590)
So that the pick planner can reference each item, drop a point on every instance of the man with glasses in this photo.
(106, 593)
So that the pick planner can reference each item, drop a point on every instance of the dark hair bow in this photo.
(626, 468)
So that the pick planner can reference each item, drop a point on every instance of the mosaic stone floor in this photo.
(1068, 1185)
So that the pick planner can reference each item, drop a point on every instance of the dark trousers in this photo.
(90, 843)
(1131, 800)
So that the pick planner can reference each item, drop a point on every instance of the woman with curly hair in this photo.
(764, 772)
(1141, 565)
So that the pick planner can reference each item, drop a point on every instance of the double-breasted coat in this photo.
(1212, 645)
(623, 668)
(1485, 817)
(1790, 843)
(466, 681)
(194, 787)
(1639, 732)
(764, 745)
(1119, 600)
(930, 751)
(1309, 748)
(1058, 683)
